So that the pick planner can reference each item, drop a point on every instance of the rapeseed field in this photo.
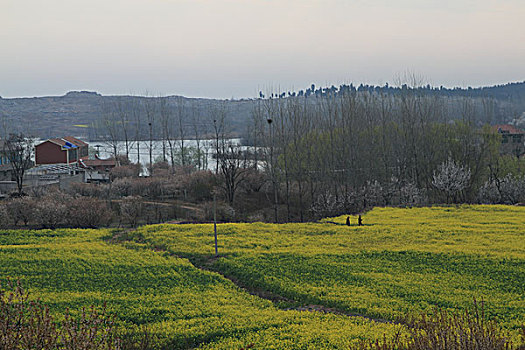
(165, 276)
(401, 260)
(182, 306)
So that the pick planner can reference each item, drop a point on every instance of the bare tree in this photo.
(271, 108)
(218, 115)
(124, 119)
(151, 110)
(233, 168)
(256, 130)
(181, 116)
(136, 111)
(109, 129)
(19, 152)
(131, 209)
(199, 129)
(166, 120)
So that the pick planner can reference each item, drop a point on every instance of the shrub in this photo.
(122, 187)
(21, 209)
(161, 168)
(253, 181)
(199, 185)
(94, 330)
(225, 213)
(151, 187)
(119, 172)
(85, 212)
(88, 190)
(404, 193)
(131, 208)
(410, 194)
(448, 331)
(512, 189)
(26, 324)
(171, 188)
(488, 193)
(122, 160)
(508, 190)
(50, 210)
(4, 218)
(327, 204)
(372, 194)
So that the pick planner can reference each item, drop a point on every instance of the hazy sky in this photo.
(234, 48)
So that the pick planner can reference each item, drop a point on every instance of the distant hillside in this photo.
(77, 112)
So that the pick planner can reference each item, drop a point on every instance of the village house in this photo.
(97, 170)
(66, 160)
(98, 164)
(66, 150)
(58, 162)
(512, 139)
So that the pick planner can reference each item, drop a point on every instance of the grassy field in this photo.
(401, 260)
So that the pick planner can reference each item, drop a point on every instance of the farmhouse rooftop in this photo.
(507, 129)
(62, 141)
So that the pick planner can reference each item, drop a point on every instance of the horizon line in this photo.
(145, 94)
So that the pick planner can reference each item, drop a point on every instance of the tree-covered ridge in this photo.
(514, 90)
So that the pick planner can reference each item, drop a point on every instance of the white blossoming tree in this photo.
(451, 179)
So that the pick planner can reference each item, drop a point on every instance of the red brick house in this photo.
(67, 150)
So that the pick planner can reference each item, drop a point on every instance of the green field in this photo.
(402, 260)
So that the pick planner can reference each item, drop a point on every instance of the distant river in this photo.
(105, 150)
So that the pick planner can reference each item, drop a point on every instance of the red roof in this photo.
(75, 141)
(62, 141)
(507, 129)
(99, 162)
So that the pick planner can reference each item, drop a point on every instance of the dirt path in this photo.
(275, 298)
(207, 265)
